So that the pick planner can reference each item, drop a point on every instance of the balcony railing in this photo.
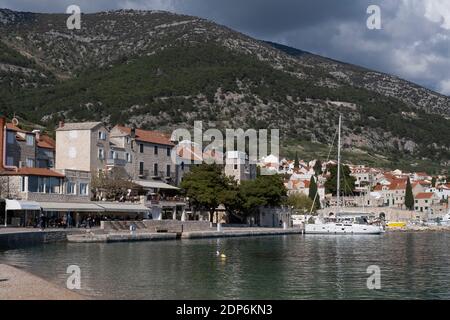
(116, 162)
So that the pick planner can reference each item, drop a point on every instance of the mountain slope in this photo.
(163, 70)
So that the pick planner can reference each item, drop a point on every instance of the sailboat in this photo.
(342, 224)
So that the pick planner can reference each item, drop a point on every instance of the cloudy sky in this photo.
(414, 42)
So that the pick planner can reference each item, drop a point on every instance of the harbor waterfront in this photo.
(413, 266)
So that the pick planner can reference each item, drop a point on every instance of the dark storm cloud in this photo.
(414, 42)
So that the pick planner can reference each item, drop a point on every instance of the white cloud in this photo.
(438, 11)
(445, 87)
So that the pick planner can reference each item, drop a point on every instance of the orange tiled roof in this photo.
(424, 195)
(12, 127)
(378, 187)
(155, 137)
(42, 172)
(46, 142)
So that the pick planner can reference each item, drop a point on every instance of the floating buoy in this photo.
(221, 255)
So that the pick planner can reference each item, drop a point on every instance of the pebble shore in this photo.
(16, 284)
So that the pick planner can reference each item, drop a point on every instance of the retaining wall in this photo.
(30, 238)
(170, 226)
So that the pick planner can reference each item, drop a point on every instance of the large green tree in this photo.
(313, 192)
(263, 191)
(347, 181)
(409, 196)
(207, 187)
(300, 202)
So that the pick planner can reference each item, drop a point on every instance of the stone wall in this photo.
(171, 226)
(22, 239)
(53, 197)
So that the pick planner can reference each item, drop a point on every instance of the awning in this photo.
(155, 185)
(120, 207)
(67, 207)
(22, 205)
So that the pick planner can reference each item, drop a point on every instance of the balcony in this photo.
(116, 162)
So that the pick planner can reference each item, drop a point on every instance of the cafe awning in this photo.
(12, 205)
(121, 207)
(152, 184)
(70, 207)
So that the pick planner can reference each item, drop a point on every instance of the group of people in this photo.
(55, 222)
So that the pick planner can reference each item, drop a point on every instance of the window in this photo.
(84, 189)
(113, 155)
(43, 184)
(101, 135)
(30, 163)
(141, 168)
(141, 148)
(11, 137)
(30, 140)
(128, 157)
(128, 140)
(168, 151)
(9, 161)
(168, 170)
(71, 188)
(101, 153)
(155, 169)
(22, 184)
(156, 149)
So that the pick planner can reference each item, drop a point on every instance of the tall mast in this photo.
(339, 165)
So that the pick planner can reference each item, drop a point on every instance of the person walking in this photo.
(42, 222)
(69, 220)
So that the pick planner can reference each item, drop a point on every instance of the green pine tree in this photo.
(409, 196)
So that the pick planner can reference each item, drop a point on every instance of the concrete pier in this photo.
(240, 232)
(121, 237)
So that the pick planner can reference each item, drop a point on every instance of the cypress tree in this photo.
(409, 197)
(318, 168)
(313, 191)
(433, 182)
(296, 161)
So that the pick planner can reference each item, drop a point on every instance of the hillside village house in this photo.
(425, 201)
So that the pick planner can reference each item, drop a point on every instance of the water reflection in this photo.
(291, 267)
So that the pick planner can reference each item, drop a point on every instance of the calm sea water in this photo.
(413, 266)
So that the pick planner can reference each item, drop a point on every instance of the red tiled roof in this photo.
(41, 172)
(12, 127)
(46, 142)
(155, 137)
(424, 195)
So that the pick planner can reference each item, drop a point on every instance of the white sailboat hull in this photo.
(338, 228)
